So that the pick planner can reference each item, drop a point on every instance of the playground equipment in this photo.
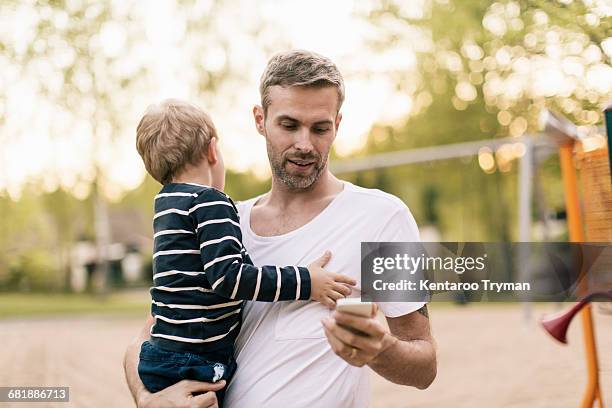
(597, 188)
(557, 325)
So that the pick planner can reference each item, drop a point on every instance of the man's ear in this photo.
(211, 153)
(338, 120)
(258, 115)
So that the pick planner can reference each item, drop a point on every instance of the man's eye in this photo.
(289, 126)
(321, 130)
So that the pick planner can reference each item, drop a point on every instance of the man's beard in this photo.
(294, 181)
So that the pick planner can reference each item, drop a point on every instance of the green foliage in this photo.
(32, 271)
(242, 186)
(474, 80)
(37, 233)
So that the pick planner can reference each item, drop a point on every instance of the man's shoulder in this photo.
(392, 220)
(375, 199)
(243, 205)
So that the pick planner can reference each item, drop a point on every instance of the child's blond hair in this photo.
(172, 135)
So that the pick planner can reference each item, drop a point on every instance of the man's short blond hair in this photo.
(172, 135)
(300, 68)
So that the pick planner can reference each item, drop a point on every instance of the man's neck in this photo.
(282, 196)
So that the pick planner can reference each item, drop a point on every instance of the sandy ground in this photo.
(488, 357)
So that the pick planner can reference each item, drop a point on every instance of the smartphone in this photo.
(355, 306)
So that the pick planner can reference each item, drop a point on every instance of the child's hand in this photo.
(327, 287)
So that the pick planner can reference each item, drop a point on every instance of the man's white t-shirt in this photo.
(284, 359)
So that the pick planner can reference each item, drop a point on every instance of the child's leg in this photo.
(159, 368)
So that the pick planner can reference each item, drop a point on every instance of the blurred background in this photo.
(474, 76)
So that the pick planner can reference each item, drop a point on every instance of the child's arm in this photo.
(222, 253)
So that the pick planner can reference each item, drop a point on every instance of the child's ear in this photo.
(211, 154)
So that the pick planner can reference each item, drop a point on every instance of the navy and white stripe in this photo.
(202, 274)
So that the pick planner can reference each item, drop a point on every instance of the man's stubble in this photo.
(278, 163)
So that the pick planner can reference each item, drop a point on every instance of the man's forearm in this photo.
(130, 363)
(407, 362)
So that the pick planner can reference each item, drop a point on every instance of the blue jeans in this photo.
(159, 368)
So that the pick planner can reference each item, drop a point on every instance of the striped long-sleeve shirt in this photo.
(202, 274)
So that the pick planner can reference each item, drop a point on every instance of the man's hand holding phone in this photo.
(355, 334)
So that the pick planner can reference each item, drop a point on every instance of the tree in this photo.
(485, 70)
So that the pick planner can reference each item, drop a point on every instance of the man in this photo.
(299, 354)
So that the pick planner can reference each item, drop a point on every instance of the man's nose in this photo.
(302, 141)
